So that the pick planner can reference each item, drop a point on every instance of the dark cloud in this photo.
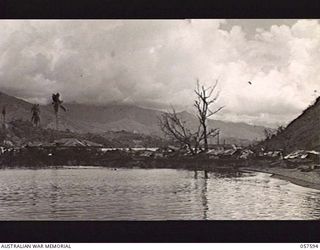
(156, 63)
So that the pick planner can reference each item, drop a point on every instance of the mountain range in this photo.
(85, 118)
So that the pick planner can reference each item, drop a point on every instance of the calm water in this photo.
(157, 194)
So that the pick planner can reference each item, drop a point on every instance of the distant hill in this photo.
(230, 132)
(82, 118)
(19, 133)
(92, 118)
(302, 133)
(98, 119)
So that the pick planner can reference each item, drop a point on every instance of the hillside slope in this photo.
(302, 133)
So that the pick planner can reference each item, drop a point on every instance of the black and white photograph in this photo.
(159, 120)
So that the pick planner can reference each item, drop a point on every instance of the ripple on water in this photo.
(150, 194)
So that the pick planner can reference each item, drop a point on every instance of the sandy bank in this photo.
(305, 179)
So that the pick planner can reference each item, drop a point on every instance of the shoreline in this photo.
(45, 159)
(304, 179)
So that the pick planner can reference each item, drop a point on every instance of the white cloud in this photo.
(157, 63)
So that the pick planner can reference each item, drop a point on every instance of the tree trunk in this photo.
(4, 121)
(205, 137)
(57, 121)
(195, 174)
(205, 174)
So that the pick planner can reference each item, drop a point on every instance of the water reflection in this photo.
(54, 189)
(33, 189)
(204, 196)
(158, 194)
(229, 173)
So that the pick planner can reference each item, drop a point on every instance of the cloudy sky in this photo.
(155, 63)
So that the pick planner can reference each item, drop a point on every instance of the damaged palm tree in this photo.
(205, 98)
(57, 104)
(35, 118)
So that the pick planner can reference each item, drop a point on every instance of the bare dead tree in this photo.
(176, 129)
(205, 99)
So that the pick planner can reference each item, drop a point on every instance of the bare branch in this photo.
(202, 104)
(177, 129)
(214, 112)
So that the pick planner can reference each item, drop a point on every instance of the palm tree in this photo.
(57, 103)
(4, 112)
(35, 110)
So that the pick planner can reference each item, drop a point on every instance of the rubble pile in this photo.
(74, 151)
